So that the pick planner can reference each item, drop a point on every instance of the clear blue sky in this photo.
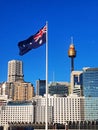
(20, 19)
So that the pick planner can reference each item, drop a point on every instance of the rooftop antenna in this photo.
(53, 76)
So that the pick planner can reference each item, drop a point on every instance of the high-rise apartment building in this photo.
(15, 70)
(23, 91)
(18, 91)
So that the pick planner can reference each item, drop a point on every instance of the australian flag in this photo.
(33, 41)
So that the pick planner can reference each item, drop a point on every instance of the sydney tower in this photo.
(72, 54)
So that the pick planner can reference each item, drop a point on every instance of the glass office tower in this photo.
(91, 108)
(90, 82)
(90, 91)
(40, 87)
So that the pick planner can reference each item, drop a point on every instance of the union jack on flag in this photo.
(33, 41)
(40, 33)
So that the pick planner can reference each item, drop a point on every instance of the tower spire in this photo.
(71, 39)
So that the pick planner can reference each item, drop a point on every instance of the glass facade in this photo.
(90, 82)
(58, 88)
(40, 87)
(78, 79)
(76, 82)
(91, 108)
(90, 91)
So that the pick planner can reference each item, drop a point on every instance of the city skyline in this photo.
(21, 19)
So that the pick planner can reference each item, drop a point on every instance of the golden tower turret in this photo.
(72, 54)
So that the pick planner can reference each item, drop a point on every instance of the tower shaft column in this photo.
(72, 64)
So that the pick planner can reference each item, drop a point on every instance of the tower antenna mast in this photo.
(71, 39)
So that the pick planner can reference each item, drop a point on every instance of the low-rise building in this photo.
(16, 112)
(60, 109)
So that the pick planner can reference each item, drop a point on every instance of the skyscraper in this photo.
(40, 87)
(90, 82)
(90, 91)
(15, 70)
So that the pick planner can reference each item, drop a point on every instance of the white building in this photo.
(16, 112)
(3, 101)
(15, 70)
(76, 83)
(40, 110)
(69, 108)
(60, 109)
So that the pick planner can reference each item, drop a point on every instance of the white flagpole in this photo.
(47, 76)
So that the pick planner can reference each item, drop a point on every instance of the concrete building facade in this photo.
(60, 109)
(16, 112)
(15, 70)
(18, 91)
(76, 82)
